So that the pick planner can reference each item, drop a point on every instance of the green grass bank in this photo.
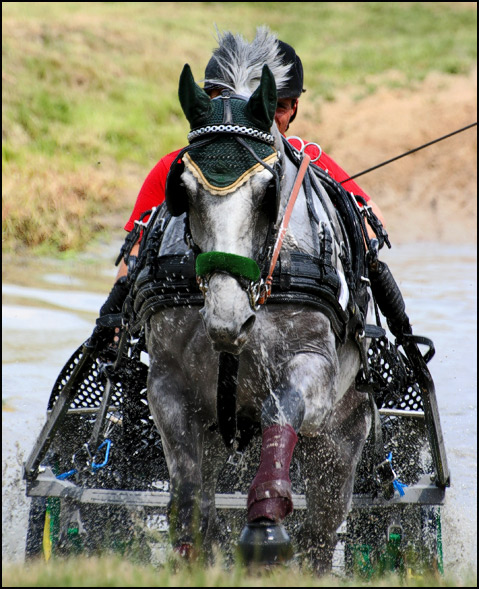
(89, 91)
(115, 572)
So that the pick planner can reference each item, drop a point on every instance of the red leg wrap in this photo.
(270, 492)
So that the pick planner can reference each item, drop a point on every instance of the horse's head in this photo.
(228, 184)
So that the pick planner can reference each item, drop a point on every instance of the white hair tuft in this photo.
(241, 63)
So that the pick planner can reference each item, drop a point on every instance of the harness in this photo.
(286, 277)
(298, 278)
(256, 275)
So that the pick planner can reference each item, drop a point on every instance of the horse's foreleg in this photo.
(182, 438)
(214, 457)
(283, 414)
(328, 463)
(269, 496)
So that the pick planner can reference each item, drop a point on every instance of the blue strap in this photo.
(398, 486)
(67, 474)
(96, 466)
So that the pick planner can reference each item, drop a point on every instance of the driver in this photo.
(152, 193)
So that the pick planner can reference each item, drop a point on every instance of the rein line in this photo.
(409, 152)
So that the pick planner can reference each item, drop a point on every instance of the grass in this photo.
(115, 572)
(89, 90)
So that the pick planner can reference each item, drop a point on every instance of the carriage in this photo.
(301, 343)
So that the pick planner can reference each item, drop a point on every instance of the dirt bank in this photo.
(430, 195)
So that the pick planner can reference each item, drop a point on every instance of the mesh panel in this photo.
(90, 386)
(392, 377)
(224, 161)
(136, 459)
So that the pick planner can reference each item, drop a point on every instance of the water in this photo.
(44, 323)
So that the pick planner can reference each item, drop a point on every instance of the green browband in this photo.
(210, 262)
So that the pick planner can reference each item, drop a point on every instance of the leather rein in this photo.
(265, 288)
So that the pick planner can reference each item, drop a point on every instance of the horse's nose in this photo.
(227, 313)
(227, 336)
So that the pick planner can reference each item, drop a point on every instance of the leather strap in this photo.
(284, 226)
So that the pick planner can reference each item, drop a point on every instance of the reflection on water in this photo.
(439, 284)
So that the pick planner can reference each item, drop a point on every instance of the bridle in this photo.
(246, 270)
(254, 276)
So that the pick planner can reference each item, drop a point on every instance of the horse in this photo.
(282, 357)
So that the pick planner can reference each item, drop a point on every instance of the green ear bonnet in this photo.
(223, 164)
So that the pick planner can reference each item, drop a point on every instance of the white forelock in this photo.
(241, 63)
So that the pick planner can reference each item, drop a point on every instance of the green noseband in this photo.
(210, 262)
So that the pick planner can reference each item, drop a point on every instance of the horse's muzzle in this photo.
(227, 314)
(226, 338)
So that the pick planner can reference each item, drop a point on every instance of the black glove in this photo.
(106, 332)
(116, 298)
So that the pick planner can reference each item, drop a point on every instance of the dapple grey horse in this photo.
(296, 376)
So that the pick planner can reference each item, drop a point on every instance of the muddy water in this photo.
(46, 319)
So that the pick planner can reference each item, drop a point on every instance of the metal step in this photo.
(425, 492)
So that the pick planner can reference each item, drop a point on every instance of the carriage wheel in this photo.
(42, 522)
(44, 530)
(61, 527)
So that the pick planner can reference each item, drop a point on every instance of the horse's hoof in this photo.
(264, 543)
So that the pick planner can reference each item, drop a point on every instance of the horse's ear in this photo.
(261, 106)
(196, 104)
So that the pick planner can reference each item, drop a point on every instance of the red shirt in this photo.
(152, 192)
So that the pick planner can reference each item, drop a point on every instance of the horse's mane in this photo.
(240, 63)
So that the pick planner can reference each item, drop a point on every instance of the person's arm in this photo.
(123, 268)
(152, 194)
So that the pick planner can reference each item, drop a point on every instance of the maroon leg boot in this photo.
(270, 494)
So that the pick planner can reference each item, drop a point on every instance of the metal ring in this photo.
(300, 141)
(320, 151)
